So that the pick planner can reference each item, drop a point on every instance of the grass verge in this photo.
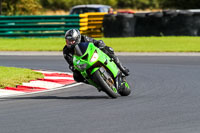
(11, 76)
(128, 44)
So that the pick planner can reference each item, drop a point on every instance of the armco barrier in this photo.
(93, 24)
(45, 26)
(15, 26)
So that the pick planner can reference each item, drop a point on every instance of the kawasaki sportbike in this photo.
(99, 70)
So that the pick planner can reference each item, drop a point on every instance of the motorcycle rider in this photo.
(74, 37)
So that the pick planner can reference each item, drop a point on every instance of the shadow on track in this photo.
(57, 97)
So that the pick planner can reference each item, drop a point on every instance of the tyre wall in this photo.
(120, 25)
(165, 23)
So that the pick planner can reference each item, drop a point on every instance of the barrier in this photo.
(41, 26)
(148, 24)
(92, 24)
(165, 23)
(46, 26)
(179, 23)
(119, 25)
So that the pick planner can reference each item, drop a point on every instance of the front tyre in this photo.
(125, 89)
(99, 80)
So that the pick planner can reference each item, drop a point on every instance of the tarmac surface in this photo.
(165, 99)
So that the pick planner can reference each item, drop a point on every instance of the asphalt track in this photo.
(165, 99)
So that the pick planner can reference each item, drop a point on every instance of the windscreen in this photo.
(104, 9)
(81, 48)
(84, 10)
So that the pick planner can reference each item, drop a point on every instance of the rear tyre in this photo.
(99, 80)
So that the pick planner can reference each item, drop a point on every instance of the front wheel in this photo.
(100, 81)
(125, 89)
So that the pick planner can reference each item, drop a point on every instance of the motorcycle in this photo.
(99, 70)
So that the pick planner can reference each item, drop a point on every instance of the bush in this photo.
(66, 5)
(20, 7)
(31, 7)
(180, 4)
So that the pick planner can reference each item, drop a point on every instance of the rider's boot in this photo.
(110, 52)
(124, 70)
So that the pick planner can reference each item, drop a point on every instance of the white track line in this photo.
(54, 89)
(50, 77)
(42, 84)
(6, 93)
(51, 72)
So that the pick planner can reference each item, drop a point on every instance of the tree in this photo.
(20, 7)
(55, 4)
(180, 4)
(0, 6)
(137, 4)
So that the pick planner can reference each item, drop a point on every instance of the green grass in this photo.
(131, 44)
(11, 76)
(156, 44)
(31, 44)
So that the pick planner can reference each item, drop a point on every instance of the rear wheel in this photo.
(106, 83)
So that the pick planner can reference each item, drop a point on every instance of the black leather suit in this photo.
(69, 51)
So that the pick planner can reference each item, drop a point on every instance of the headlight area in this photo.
(82, 66)
(95, 56)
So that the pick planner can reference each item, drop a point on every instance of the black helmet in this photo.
(73, 37)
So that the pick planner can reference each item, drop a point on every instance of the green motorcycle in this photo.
(99, 70)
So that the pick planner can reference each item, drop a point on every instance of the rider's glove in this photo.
(101, 44)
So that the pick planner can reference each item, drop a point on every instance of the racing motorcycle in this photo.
(99, 70)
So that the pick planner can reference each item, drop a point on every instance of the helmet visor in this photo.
(70, 40)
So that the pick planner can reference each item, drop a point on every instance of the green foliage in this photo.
(55, 4)
(31, 7)
(20, 7)
(137, 4)
(180, 4)
(66, 5)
